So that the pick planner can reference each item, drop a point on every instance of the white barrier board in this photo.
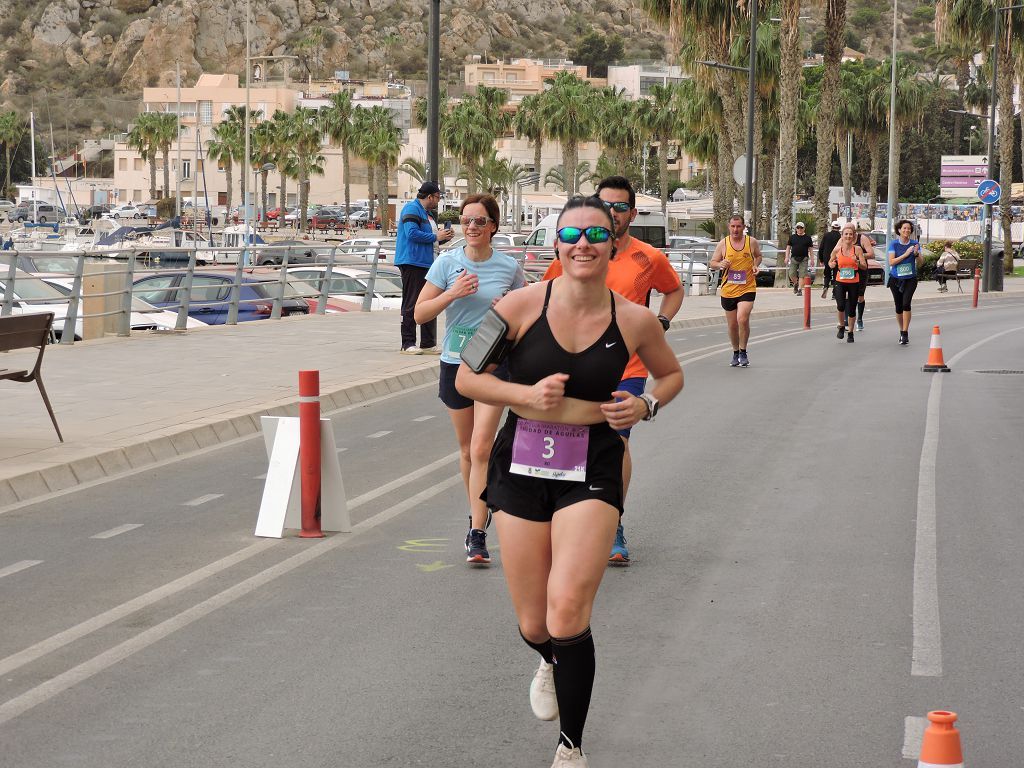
(281, 505)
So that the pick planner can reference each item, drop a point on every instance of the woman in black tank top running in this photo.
(556, 464)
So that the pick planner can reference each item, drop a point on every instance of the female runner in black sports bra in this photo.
(555, 476)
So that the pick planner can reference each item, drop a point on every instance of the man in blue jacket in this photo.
(414, 253)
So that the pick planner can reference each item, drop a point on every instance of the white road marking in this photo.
(202, 500)
(21, 565)
(927, 652)
(423, 418)
(375, 435)
(913, 735)
(117, 531)
(342, 450)
(62, 682)
(89, 626)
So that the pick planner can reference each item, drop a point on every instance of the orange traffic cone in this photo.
(941, 745)
(935, 362)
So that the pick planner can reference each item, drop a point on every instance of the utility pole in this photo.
(177, 176)
(890, 218)
(433, 92)
(748, 192)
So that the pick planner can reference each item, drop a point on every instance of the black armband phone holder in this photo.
(489, 345)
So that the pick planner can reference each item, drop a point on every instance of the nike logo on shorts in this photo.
(595, 489)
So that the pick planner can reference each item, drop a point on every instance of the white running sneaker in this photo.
(542, 692)
(569, 758)
(430, 351)
(413, 350)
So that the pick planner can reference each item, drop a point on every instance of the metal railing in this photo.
(123, 266)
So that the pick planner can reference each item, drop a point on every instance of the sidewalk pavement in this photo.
(128, 403)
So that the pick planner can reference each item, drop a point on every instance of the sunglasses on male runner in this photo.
(572, 235)
(478, 220)
(617, 207)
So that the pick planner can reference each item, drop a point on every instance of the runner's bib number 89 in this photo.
(549, 450)
(737, 276)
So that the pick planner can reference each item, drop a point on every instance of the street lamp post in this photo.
(890, 218)
(433, 91)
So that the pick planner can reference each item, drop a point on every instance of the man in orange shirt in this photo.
(635, 270)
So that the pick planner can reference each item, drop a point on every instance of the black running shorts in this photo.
(730, 305)
(537, 498)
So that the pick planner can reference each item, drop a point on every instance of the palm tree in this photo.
(164, 133)
(307, 139)
(790, 81)
(556, 177)
(467, 135)
(617, 127)
(141, 138)
(835, 39)
(568, 110)
(261, 146)
(870, 125)
(283, 155)
(910, 109)
(527, 124)
(337, 120)
(227, 144)
(662, 120)
(379, 142)
(12, 128)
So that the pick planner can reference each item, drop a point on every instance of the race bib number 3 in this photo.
(847, 273)
(459, 338)
(738, 276)
(903, 269)
(552, 451)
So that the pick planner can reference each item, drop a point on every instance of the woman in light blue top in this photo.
(464, 283)
(904, 255)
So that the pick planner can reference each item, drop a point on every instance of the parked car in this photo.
(329, 217)
(6, 206)
(211, 294)
(124, 211)
(689, 241)
(32, 295)
(47, 261)
(364, 247)
(352, 283)
(360, 218)
(93, 212)
(299, 252)
(43, 212)
(143, 317)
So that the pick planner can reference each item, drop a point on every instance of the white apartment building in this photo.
(636, 79)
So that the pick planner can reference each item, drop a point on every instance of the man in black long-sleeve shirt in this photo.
(825, 246)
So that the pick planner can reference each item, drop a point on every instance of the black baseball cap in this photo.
(428, 188)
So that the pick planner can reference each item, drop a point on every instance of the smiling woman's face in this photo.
(584, 259)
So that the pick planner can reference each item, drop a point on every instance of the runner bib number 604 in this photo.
(549, 450)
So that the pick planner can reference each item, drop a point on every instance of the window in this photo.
(488, 77)
(154, 289)
(208, 289)
(122, 164)
(206, 113)
(136, 195)
(122, 194)
(511, 77)
(137, 166)
(186, 169)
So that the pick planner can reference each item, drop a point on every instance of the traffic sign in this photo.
(739, 169)
(989, 192)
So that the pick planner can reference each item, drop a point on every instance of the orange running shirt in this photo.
(634, 273)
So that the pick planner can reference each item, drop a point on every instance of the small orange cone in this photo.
(941, 745)
(935, 362)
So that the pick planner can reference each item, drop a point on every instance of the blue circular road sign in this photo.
(989, 192)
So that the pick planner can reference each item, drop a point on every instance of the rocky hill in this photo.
(82, 64)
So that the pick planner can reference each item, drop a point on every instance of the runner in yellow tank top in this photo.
(738, 256)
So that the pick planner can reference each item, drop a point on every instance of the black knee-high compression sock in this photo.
(574, 682)
(860, 311)
(544, 649)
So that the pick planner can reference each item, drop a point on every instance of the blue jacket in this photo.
(415, 243)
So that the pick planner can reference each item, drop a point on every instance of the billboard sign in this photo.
(961, 175)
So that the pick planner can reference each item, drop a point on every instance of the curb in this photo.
(30, 486)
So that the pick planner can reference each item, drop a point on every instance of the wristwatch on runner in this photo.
(665, 322)
(652, 406)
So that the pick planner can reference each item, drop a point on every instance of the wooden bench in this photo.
(964, 271)
(24, 332)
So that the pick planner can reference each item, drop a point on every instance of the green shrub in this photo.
(708, 226)
(865, 17)
(932, 251)
(924, 13)
(450, 215)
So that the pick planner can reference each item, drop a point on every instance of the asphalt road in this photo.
(826, 546)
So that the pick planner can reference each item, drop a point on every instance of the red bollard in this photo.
(977, 284)
(309, 452)
(807, 302)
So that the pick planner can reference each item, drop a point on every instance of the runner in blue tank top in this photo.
(904, 255)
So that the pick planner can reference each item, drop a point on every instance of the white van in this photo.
(648, 226)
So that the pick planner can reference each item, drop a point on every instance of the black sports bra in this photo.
(594, 373)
